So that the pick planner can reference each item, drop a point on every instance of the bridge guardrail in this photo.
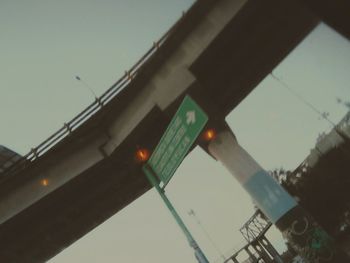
(93, 108)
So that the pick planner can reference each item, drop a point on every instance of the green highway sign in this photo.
(183, 130)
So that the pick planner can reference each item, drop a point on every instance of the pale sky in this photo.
(45, 44)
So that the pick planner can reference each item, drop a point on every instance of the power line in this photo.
(302, 99)
(323, 115)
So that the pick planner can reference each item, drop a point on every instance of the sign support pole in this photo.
(197, 251)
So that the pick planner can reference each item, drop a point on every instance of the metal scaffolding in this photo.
(258, 249)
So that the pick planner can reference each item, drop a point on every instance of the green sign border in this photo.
(177, 140)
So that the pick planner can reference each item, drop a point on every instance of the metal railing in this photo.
(89, 111)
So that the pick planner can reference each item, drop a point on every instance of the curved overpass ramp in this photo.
(217, 53)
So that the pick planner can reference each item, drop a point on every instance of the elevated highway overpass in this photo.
(217, 53)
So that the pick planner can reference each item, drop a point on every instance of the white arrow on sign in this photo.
(191, 117)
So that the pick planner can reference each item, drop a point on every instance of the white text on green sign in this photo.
(183, 130)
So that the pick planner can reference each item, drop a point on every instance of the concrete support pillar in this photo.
(307, 238)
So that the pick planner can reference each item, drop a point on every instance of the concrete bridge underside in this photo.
(218, 53)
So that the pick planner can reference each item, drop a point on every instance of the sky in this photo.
(45, 44)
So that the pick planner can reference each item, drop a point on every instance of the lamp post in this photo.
(87, 86)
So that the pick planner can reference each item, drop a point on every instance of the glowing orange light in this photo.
(142, 155)
(209, 135)
(44, 182)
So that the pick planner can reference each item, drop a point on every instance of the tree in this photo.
(322, 189)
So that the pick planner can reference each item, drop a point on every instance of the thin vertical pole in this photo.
(197, 251)
(192, 213)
